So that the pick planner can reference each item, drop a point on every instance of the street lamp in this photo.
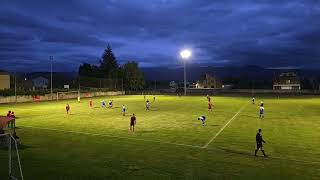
(185, 54)
(51, 59)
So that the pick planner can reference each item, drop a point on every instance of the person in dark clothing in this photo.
(133, 121)
(259, 141)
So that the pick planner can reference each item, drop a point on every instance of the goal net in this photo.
(10, 153)
(68, 95)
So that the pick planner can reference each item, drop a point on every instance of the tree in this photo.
(85, 70)
(109, 65)
(133, 78)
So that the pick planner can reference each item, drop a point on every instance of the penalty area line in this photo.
(216, 135)
(119, 137)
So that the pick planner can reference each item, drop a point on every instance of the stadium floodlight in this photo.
(185, 54)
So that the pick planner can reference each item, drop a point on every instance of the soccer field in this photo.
(169, 142)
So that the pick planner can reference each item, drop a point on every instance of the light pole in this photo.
(15, 86)
(185, 54)
(51, 59)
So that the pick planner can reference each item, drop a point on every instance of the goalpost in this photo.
(7, 141)
(68, 95)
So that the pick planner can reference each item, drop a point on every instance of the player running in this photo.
(67, 108)
(123, 110)
(210, 106)
(110, 103)
(203, 119)
(103, 104)
(253, 99)
(261, 111)
(133, 121)
(147, 105)
(259, 141)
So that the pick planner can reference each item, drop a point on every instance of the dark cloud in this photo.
(231, 32)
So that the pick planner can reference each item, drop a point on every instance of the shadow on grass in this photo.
(145, 131)
(257, 116)
(212, 125)
(232, 151)
(200, 124)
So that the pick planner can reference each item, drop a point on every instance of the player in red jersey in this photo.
(9, 114)
(67, 108)
(209, 98)
(209, 106)
(90, 103)
(132, 122)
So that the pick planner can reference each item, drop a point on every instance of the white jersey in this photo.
(261, 109)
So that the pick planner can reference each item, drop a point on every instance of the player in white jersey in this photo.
(202, 119)
(123, 110)
(261, 112)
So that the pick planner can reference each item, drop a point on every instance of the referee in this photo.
(259, 141)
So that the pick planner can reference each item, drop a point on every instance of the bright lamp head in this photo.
(185, 54)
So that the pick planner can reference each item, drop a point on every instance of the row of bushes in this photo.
(11, 92)
(40, 92)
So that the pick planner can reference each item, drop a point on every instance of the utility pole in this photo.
(51, 59)
(185, 78)
(15, 86)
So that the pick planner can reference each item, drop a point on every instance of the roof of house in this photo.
(4, 73)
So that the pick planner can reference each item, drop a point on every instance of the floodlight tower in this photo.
(185, 55)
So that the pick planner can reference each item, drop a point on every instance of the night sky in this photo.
(271, 34)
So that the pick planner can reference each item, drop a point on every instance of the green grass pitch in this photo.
(169, 142)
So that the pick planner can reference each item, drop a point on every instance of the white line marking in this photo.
(161, 142)
(215, 136)
(106, 135)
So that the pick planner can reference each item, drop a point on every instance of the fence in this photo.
(47, 97)
(194, 91)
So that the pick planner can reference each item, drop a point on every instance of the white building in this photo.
(287, 81)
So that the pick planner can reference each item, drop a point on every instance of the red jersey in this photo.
(209, 99)
(67, 108)
(90, 102)
(209, 105)
(8, 114)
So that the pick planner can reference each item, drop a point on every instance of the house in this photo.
(4, 80)
(208, 81)
(173, 85)
(287, 81)
(40, 82)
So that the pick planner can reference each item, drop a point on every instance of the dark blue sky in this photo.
(275, 33)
